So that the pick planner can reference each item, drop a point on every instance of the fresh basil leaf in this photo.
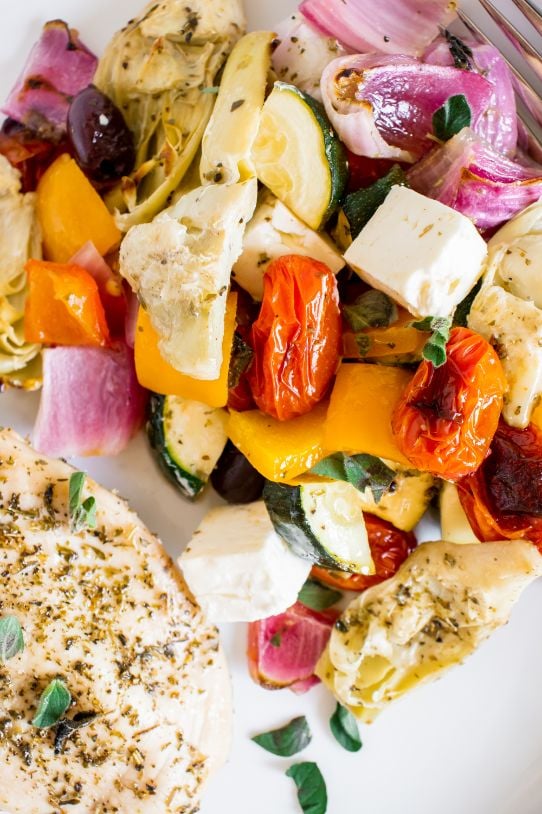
(372, 309)
(360, 206)
(54, 701)
(345, 729)
(241, 357)
(364, 344)
(463, 309)
(318, 597)
(11, 638)
(287, 741)
(434, 350)
(67, 727)
(453, 116)
(361, 471)
(461, 53)
(311, 787)
(82, 512)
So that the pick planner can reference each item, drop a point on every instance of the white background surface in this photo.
(469, 744)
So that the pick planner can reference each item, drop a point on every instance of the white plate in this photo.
(470, 743)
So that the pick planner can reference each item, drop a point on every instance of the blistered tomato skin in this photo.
(100, 140)
(503, 499)
(389, 549)
(446, 420)
(296, 338)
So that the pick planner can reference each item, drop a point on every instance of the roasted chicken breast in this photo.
(106, 611)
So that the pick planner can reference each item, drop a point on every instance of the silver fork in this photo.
(526, 67)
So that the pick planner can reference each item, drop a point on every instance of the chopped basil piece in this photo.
(345, 729)
(54, 701)
(318, 597)
(276, 640)
(66, 728)
(452, 117)
(82, 512)
(311, 787)
(287, 741)
(463, 309)
(360, 206)
(364, 344)
(11, 638)
(241, 357)
(211, 89)
(373, 309)
(461, 53)
(361, 471)
(434, 350)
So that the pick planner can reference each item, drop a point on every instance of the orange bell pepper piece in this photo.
(280, 450)
(71, 212)
(397, 340)
(362, 402)
(63, 306)
(154, 373)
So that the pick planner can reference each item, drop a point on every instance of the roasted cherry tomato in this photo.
(296, 338)
(448, 415)
(389, 546)
(27, 152)
(503, 498)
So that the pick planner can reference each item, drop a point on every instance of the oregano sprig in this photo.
(434, 350)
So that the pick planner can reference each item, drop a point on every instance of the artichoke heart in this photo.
(160, 70)
(20, 240)
(443, 602)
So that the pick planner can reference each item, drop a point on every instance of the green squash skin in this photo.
(334, 150)
(283, 504)
(188, 485)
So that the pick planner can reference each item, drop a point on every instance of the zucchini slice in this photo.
(228, 139)
(298, 156)
(407, 502)
(188, 438)
(321, 522)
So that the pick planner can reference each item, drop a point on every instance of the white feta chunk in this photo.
(238, 568)
(424, 255)
(515, 327)
(273, 232)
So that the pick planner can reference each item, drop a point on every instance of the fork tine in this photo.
(529, 102)
(518, 40)
(531, 12)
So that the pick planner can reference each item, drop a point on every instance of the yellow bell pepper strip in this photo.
(362, 402)
(71, 213)
(398, 339)
(154, 373)
(279, 450)
(63, 306)
(536, 417)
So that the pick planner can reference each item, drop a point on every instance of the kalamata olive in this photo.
(235, 479)
(100, 140)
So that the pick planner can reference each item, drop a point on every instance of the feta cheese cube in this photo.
(238, 568)
(421, 253)
(273, 232)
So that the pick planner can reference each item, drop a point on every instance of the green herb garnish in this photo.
(67, 727)
(461, 53)
(345, 729)
(241, 357)
(434, 350)
(361, 471)
(463, 309)
(318, 597)
(11, 638)
(311, 787)
(54, 701)
(452, 117)
(360, 206)
(288, 740)
(82, 512)
(373, 309)
(276, 640)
